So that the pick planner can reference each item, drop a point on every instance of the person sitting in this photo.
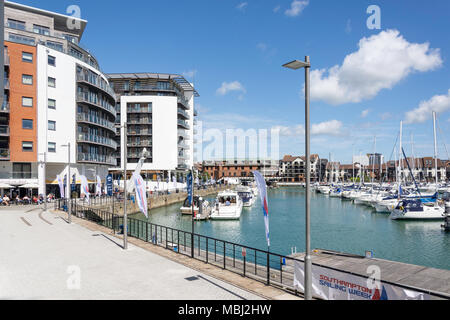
(228, 203)
(6, 200)
(18, 200)
(35, 200)
(26, 200)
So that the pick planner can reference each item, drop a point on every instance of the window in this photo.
(45, 31)
(52, 147)
(22, 170)
(15, 24)
(21, 39)
(51, 104)
(27, 102)
(55, 45)
(27, 57)
(27, 146)
(51, 82)
(27, 124)
(51, 61)
(27, 79)
(52, 125)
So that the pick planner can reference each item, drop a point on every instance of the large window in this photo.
(27, 146)
(41, 30)
(52, 147)
(27, 102)
(27, 79)
(52, 125)
(16, 24)
(22, 170)
(21, 39)
(51, 82)
(27, 57)
(27, 124)
(51, 104)
(51, 61)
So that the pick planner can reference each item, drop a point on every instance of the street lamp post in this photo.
(44, 164)
(125, 222)
(308, 264)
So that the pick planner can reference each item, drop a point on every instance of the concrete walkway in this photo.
(43, 257)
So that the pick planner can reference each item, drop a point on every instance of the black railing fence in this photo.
(264, 266)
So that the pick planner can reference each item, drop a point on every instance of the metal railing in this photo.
(96, 158)
(85, 97)
(97, 82)
(5, 107)
(86, 137)
(183, 113)
(86, 117)
(5, 154)
(184, 124)
(268, 267)
(140, 121)
(140, 110)
(4, 130)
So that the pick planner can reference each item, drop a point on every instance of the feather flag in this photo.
(84, 187)
(141, 195)
(98, 187)
(261, 183)
(61, 186)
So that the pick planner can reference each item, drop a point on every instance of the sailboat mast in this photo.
(435, 149)
(400, 158)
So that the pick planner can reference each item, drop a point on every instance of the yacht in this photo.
(414, 209)
(186, 209)
(247, 196)
(228, 206)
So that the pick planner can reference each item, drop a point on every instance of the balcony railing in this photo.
(85, 97)
(140, 121)
(5, 154)
(183, 133)
(184, 124)
(97, 158)
(6, 58)
(5, 107)
(6, 84)
(184, 102)
(139, 133)
(134, 155)
(100, 84)
(86, 117)
(140, 110)
(4, 131)
(90, 138)
(139, 144)
(183, 113)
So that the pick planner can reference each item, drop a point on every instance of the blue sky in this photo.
(236, 48)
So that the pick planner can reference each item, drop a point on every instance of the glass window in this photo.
(27, 124)
(27, 146)
(55, 45)
(21, 39)
(51, 104)
(51, 61)
(27, 79)
(52, 125)
(41, 30)
(22, 170)
(51, 82)
(51, 147)
(70, 38)
(27, 102)
(15, 24)
(27, 57)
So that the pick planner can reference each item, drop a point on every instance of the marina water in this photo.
(335, 225)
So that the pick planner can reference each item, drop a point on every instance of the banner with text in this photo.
(334, 285)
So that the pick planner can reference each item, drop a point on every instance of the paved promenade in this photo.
(43, 257)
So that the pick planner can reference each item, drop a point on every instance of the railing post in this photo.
(167, 243)
(207, 240)
(234, 255)
(224, 255)
(146, 232)
(178, 241)
(245, 258)
(268, 268)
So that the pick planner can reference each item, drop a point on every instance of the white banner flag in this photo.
(98, 187)
(141, 195)
(335, 285)
(84, 187)
(261, 183)
(61, 185)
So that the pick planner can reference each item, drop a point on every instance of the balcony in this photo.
(183, 133)
(183, 124)
(140, 110)
(139, 143)
(97, 158)
(140, 133)
(183, 145)
(4, 131)
(184, 102)
(90, 138)
(90, 119)
(5, 107)
(135, 155)
(5, 154)
(6, 84)
(6, 60)
(99, 84)
(85, 98)
(183, 113)
(140, 121)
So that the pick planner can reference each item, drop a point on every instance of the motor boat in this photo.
(186, 209)
(246, 194)
(228, 206)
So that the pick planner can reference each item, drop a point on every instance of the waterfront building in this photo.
(242, 169)
(293, 168)
(160, 115)
(55, 94)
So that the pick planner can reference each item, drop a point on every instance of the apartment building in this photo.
(242, 169)
(159, 112)
(293, 168)
(55, 94)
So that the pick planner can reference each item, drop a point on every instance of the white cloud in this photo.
(296, 8)
(331, 128)
(438, 103)
(276, 9)
(230, 86)
(381, 62)
(242, 6)
(365, 113)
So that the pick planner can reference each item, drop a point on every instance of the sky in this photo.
(364, 81)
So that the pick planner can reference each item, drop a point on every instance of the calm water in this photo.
(335, 225)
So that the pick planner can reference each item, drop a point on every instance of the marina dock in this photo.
(424, 278)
